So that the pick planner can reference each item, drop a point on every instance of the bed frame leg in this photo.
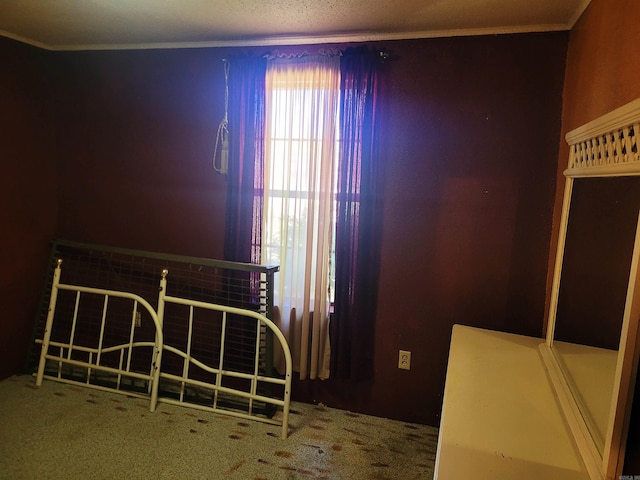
(47, 330)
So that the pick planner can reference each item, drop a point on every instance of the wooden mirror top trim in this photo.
(606, 146)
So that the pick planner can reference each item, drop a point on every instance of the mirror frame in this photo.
(603, 147)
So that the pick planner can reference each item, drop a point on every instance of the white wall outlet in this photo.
(404, 360)
(138, 321)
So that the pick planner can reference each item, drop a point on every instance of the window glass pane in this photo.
(295, 131)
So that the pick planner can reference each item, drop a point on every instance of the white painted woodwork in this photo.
(607, 146)
(500, 418)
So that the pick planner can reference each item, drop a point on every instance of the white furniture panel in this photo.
(500, 418)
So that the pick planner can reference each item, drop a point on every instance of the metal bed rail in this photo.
(254, 377)
(235, 284)
(95, 354)
(249, 382)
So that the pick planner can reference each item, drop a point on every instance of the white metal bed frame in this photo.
(124, 369)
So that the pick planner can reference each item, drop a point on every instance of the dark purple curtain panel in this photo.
(245, 180)
(352, 327)
(246, 158)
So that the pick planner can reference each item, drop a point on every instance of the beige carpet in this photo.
(62, 431)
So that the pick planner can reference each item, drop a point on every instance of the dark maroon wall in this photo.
(28, 205)
(137, 164)
(469, 144)
(470, 156)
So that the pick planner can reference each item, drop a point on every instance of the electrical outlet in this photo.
(404, 360)
(138, 321)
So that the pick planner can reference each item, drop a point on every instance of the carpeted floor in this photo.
(62, 431)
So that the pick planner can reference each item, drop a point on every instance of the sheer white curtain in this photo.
(302, 99)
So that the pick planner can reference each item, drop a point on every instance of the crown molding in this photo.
(297, 40)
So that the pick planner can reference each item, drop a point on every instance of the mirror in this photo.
(592, 346)
(598, 251)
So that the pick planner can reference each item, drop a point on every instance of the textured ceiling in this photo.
(91, 24)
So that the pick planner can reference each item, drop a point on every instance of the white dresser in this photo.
(500, 418)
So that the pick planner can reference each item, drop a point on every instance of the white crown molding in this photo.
(28, 41)
(299, 40)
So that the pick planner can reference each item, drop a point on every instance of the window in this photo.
(300, 176)
(295, 125)
(300, 165)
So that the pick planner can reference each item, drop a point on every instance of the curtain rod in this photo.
(382, 54)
